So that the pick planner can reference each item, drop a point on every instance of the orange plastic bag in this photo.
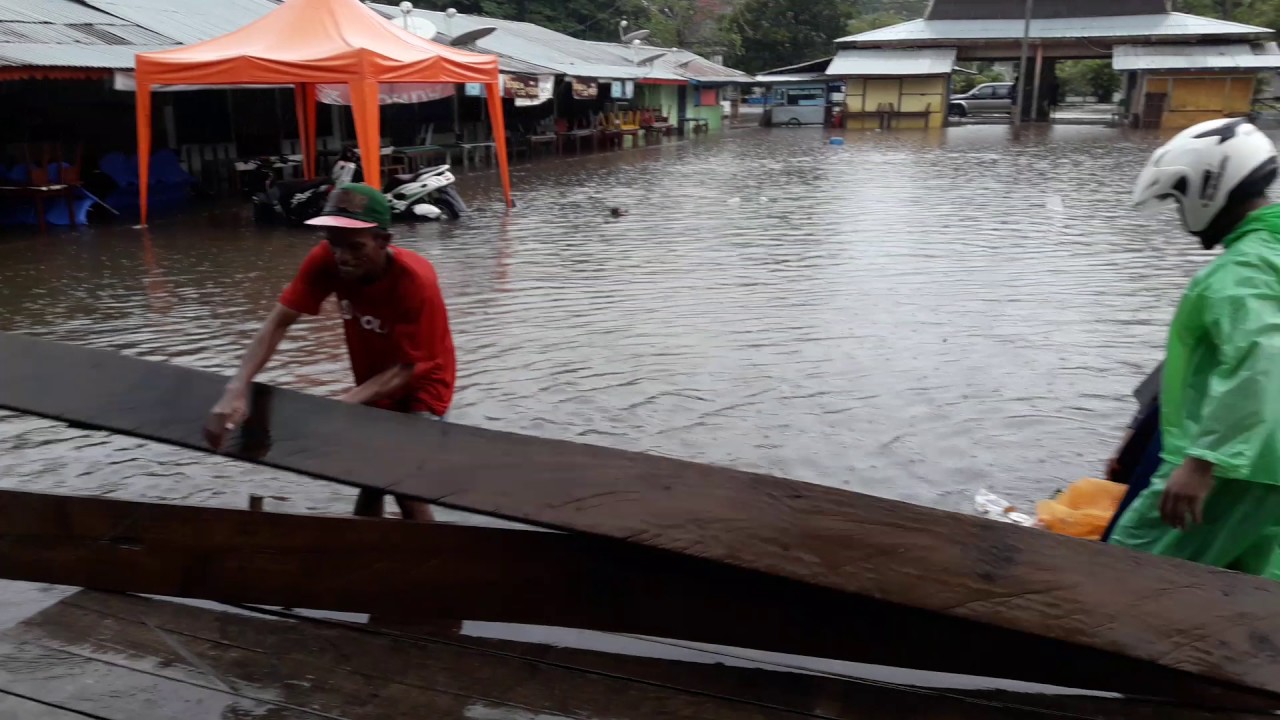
(1083, 510)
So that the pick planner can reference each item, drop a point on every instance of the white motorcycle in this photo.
(428, 194)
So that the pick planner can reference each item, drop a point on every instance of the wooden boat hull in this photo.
(865, 551)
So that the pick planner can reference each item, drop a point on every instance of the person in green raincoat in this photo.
(1216, 497)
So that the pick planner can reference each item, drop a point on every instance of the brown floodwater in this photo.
(914, 315)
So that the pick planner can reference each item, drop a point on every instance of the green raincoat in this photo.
(1220, 402)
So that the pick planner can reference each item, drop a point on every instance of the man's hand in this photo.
(226, 415)
(1185, 496)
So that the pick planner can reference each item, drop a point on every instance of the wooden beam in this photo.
(416, 573)
(423, 572)
(540, 658)
(1186, 617)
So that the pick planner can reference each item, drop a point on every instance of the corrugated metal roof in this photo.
(962, 9)
(186, 21)
(541, 46)
(35, 33)
(505, 63)
(1166, 25)
(676, 64)
(871, 62)
(67, 34)
(105, 57)
(58, 12)
(1197, 57)
(777, 78)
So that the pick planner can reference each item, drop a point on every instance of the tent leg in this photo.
(494, 94)
(365, 110)
(309, 96)
(300, 111)
(143, 94)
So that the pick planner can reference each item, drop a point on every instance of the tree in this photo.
(1088, 77)
(778, 33)
(986, 73)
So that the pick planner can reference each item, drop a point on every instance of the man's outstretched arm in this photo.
(233, 408)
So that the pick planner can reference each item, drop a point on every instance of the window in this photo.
(985, 92)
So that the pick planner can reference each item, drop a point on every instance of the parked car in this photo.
(987, 99)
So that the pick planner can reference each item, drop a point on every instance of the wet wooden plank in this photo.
(447, 662)
(419, 572)
(338, 671)
(19, 709)
(1190, 618)
(102, 688)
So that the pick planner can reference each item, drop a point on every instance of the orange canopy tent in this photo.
(310, 42)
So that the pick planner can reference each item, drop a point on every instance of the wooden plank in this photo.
(342, 672)
(417, 572)
(1196, 619)
(445, 661)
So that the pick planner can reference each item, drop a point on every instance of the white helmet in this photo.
(1202, 166)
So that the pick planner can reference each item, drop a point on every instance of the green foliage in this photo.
(875, 21)
(1265, 13)
(777, 33)
(1088, 77)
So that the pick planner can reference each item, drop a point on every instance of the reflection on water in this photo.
(911, 315)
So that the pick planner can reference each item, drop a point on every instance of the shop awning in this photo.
(870, 62)
(1235, 56)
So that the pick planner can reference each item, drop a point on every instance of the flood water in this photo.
(913, 315)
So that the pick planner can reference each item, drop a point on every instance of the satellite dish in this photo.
(420, 26)
(651, 59)
(471, 36)
(637, 35)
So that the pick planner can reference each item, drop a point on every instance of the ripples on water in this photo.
(911, 315)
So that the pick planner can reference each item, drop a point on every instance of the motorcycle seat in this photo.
(406, 178)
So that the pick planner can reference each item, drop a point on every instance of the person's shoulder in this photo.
(1252, 262)
(417, 269)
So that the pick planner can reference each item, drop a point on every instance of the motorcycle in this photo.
(294, 201)
(428, 193)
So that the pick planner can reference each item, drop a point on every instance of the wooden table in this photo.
(39, 193)
(419, 156)
(576, 135)
(699, 125)
(488, 148)
(547, 140)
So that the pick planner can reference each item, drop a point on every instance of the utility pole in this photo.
(1022, 64)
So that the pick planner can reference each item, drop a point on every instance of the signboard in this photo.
(390, 94)
(622, 89)
(585, 88)
(529, 90)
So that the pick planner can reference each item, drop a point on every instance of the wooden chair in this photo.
(41, 184)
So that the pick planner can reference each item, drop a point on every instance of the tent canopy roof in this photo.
(316, 41)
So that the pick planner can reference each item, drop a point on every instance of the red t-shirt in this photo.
(398, 320)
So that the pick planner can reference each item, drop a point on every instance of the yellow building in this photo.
(1180, 69)
(1174, 87)
(894, 88)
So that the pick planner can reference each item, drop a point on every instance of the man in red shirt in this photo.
(397, 329)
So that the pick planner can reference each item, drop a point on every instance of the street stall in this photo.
(306, 43)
